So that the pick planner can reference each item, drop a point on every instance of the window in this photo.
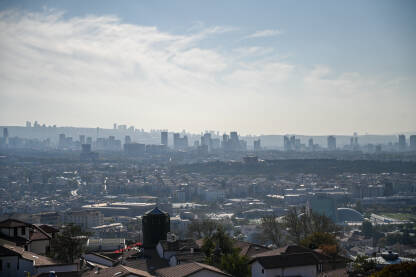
(8, 265)
(262, 270)
(23, 231)
(15, 231)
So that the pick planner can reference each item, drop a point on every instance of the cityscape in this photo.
(207, 138)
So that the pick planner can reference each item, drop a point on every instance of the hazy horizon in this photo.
(276, 67)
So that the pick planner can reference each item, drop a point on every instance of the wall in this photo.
(39, 246)
(304, 271)
(57, 268)
(12, 271)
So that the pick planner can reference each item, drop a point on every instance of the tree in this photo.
(304, 223)
(397, 270)
(291, 221)
(367, 229)
(202, 228)
(68, 244)
(363, 266)
(235, 264)
(220, 252)
(319, 240)
(272, 230)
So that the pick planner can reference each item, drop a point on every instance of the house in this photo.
(275, 263)
(118, 271)
(249, 249)
(193, 269)
(96, 258)
(16, 261)
(31, 237)
(179, 251)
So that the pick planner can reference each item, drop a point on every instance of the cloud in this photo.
(96, 70)
(264, 33)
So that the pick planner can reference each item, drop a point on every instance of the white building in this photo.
(86, 218)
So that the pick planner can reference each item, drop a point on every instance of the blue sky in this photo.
(310, 67)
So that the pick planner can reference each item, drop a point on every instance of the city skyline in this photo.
(274, 68)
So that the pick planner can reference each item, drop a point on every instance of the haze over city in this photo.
(271, 68)
(207, 138)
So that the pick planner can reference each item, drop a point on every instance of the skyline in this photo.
(275, 68)
(202, 131)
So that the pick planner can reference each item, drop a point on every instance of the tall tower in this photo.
(156, 225)
(164, 138)
(402, 142)
(332, 143)
(412, 142)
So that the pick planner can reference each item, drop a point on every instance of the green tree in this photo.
(318, 240)
(363, 266)
(220, 252)
(397, 270)
(235, 264)
(68, 244)
(367, 228)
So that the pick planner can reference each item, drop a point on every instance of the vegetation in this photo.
(68, 244)
(362, 266)
(221, 253)
(320, 240)
(272, 230)
(204, 228)
(303, 223)
(397, 270)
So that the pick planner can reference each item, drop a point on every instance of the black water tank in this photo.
(156, 225)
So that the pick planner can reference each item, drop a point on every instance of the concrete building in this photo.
(86, 219)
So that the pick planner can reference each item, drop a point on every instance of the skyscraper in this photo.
(257, 145)
(412, 142)
(164, 138)
(332, 143)
(402, 142)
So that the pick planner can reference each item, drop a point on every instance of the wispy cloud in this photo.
(98, 69)
(264, 33)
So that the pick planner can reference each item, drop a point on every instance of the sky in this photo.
(256, 67)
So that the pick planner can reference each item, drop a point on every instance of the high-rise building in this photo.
(28, 124)
(310, 143)
(412, 142)
(164, 138)
(82, 139)
(127, 139)
(286, 143)
(257, 145)
(332, 143)
(402, 142)
(62, 141)
(5, 133)
(180, 143)
(115, 126)
(86, 148)
(134, 149)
